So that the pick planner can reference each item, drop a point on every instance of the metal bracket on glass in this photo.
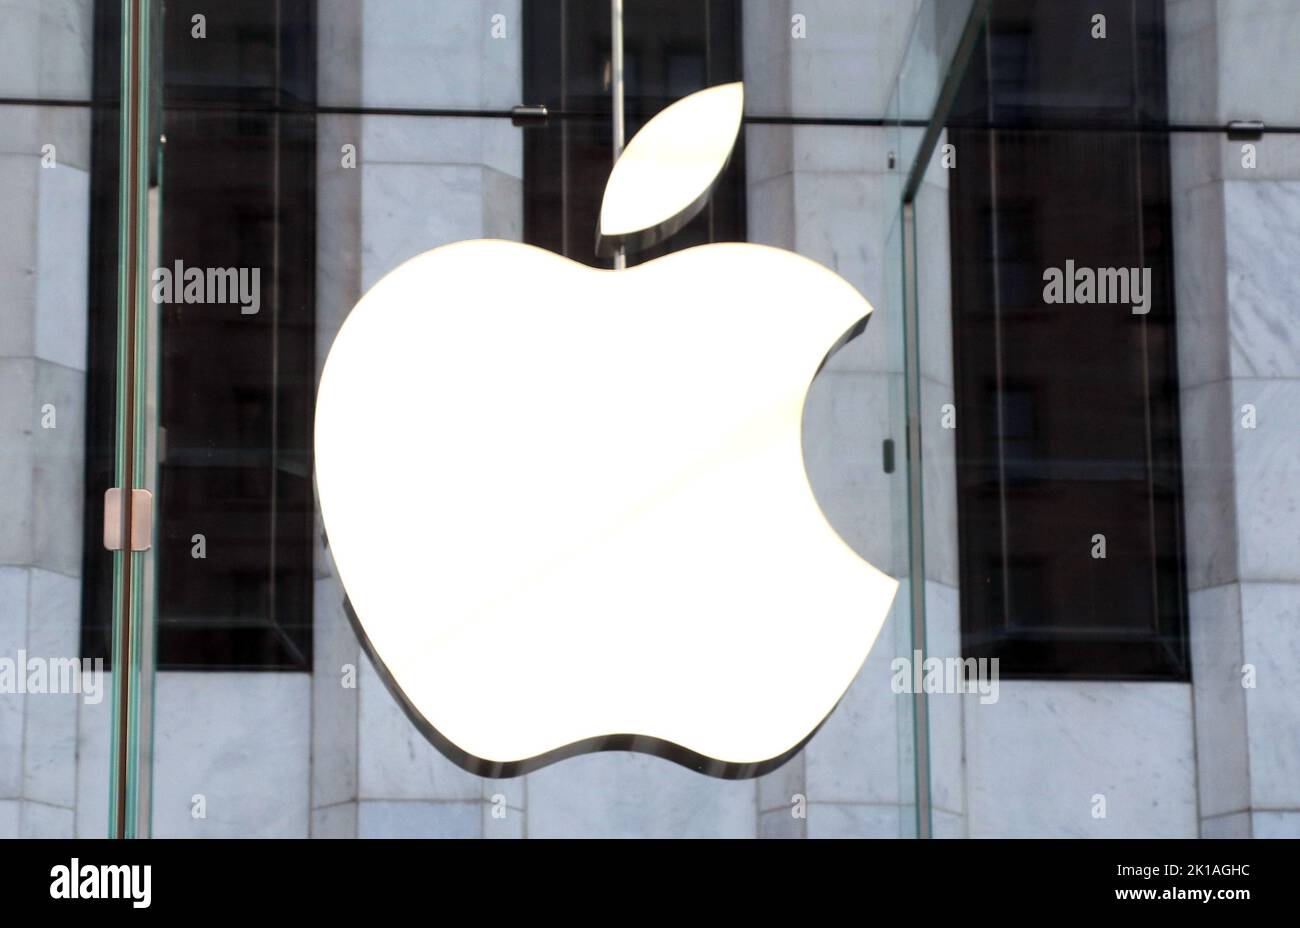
(526, 117)
(1245, 130)
(141, 519)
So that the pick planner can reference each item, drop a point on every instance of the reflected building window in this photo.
(1071, 448)
(236, 182)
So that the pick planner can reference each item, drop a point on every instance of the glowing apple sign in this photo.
(569, 507)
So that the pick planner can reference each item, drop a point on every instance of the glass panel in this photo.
(936, 55)
(913, 788)
(933, 60)
(132, 637)
(1067, 462)
(62, 361)
(270, 719)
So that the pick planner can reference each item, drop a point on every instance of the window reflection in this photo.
(1068, 487)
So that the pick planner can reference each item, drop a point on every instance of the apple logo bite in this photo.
(569, 506)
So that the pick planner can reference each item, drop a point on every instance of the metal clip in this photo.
(141, 519)
(1245, 130)
(529, 116)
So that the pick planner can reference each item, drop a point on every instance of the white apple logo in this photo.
(569, 507)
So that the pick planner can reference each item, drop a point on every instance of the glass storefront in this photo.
(323, 174)
(210, 191)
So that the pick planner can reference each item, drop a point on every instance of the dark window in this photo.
(1070, 429)
(671, 49)
(236, 390)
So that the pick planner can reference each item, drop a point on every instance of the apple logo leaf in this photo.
(664, 177)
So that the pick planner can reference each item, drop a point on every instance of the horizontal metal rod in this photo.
(754, 119)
